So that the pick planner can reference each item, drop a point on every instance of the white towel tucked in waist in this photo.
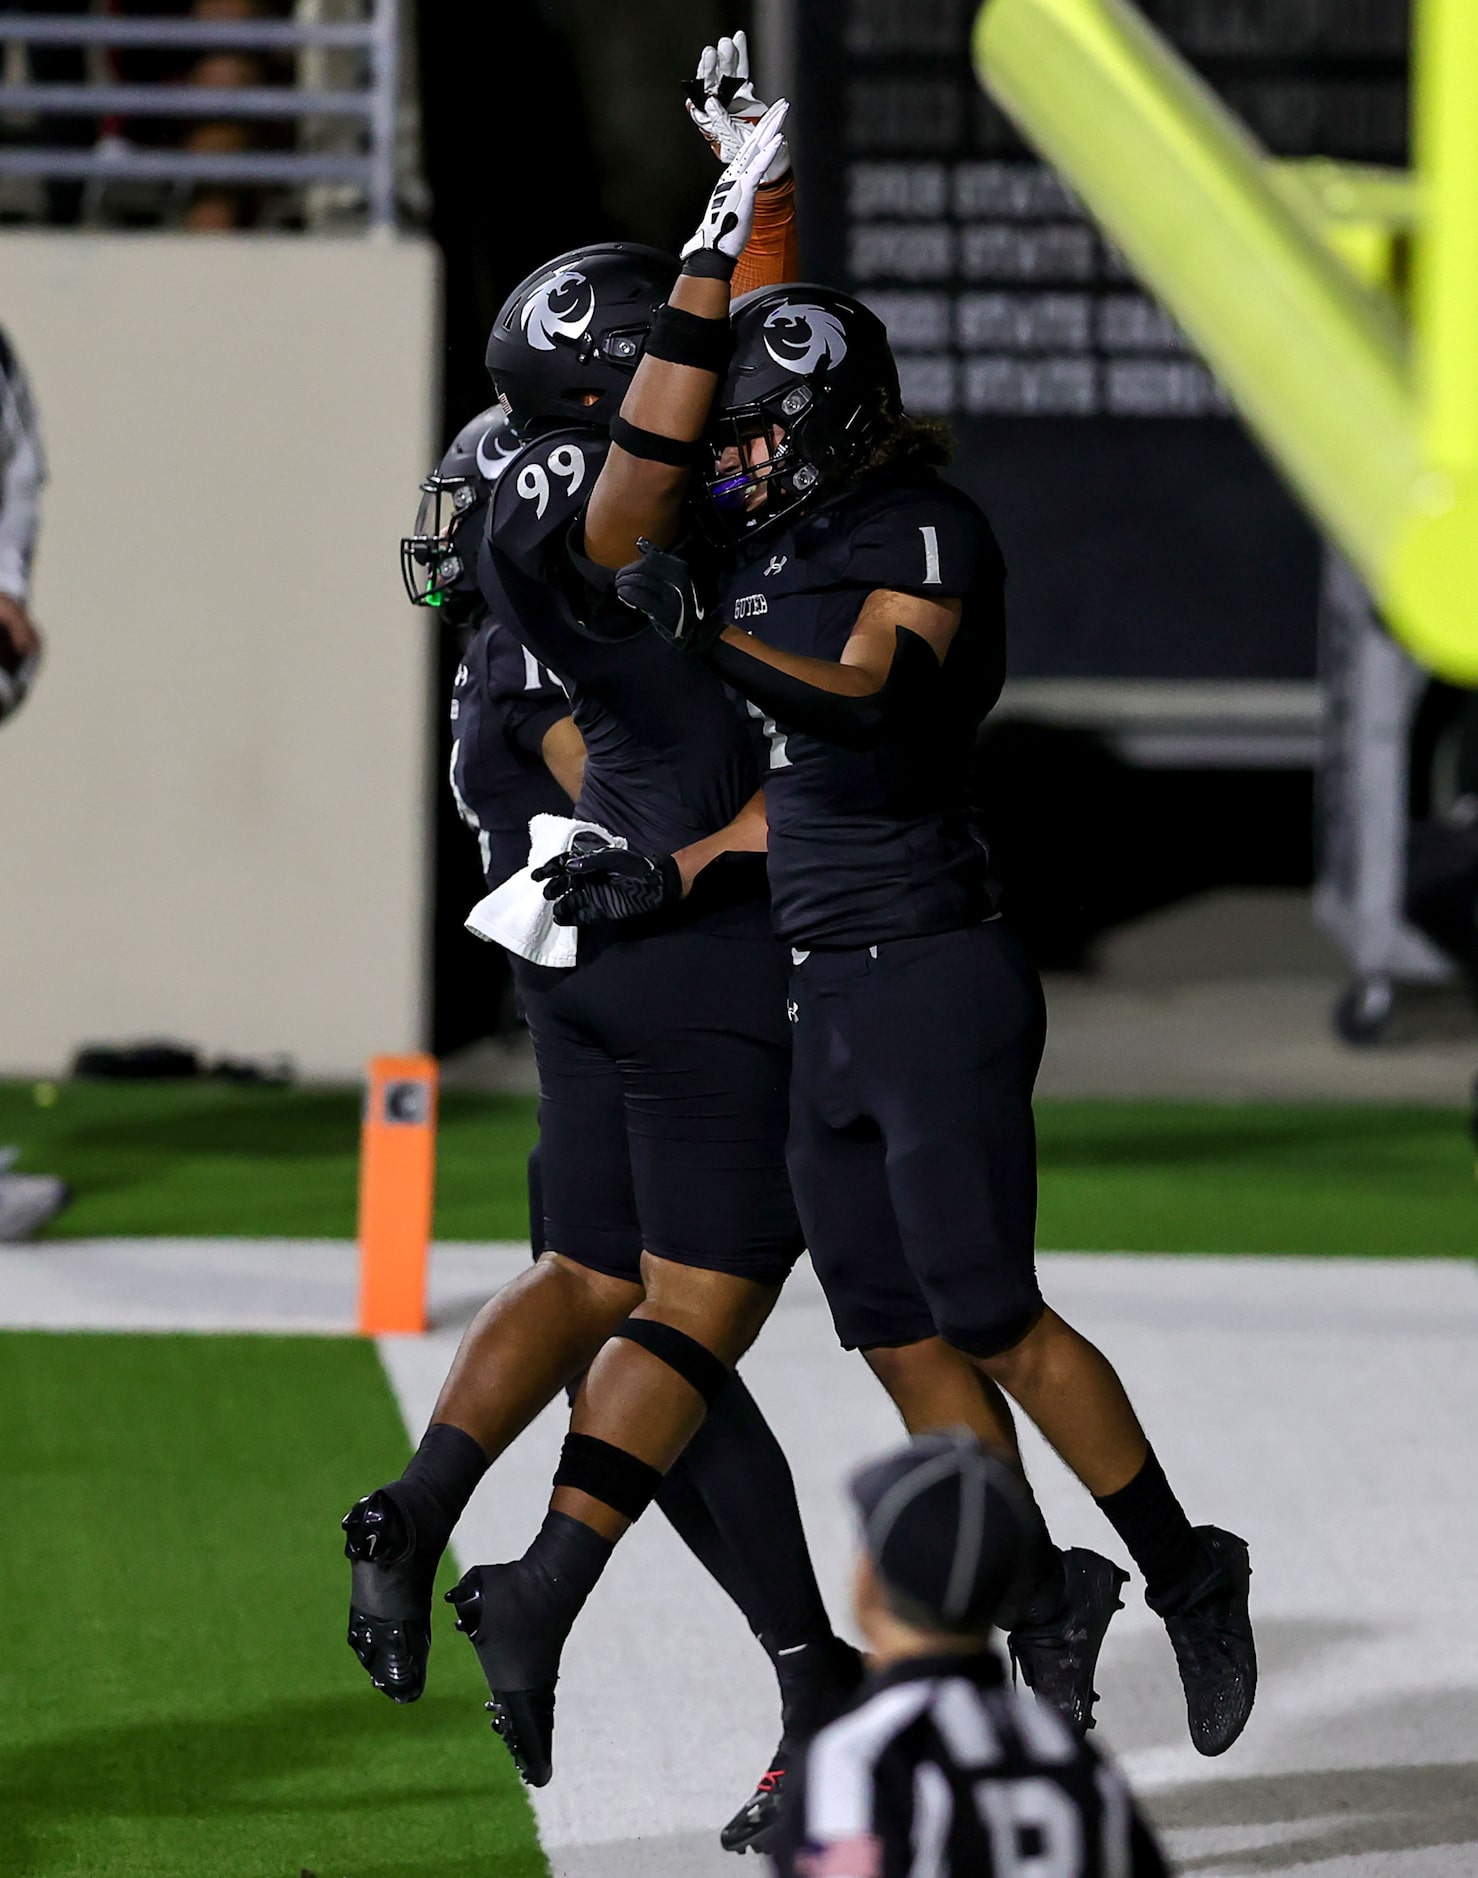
(517, 915)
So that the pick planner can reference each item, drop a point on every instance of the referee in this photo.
(941, 1770)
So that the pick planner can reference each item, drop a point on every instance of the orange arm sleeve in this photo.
(772, 253)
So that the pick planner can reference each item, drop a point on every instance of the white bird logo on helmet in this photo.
(799, 337)
(558, 308)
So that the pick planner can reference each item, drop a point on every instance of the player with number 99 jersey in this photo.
(669, 756)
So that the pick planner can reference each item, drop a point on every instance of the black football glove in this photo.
(590, 884)
(661, 586)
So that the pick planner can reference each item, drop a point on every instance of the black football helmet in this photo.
(440, 558)
(813, 374)
(574, 328)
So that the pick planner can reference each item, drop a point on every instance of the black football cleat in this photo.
(817, 1683)
(1056, 1659)
(501, 1611)
(750, 1828)
(1211, 1632)
(389, 1596)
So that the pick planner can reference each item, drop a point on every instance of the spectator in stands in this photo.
(216, 208)
(27, 1201)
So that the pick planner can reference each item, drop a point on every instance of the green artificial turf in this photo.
(1131, 1176)
(1202, 1177)
(176, 1697)
(212, 1158)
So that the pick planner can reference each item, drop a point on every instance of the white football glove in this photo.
(721, 102)
(730, 214)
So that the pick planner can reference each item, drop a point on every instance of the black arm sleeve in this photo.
(590, 590)
(853, 723)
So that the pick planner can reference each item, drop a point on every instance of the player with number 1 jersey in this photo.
(862, 613)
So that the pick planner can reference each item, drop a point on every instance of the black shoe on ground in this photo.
(817, 1682)
(750, 1827)
(1212, 1634)
(500, 1610)
(389, 1596)
(1056, 1658)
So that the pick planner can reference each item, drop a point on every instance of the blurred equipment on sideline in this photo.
(157, 1059)
(397, 1183)
(1372, 691)
(27, 1201)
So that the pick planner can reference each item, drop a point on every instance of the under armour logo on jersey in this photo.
(792, 1009)
(558, 308)
(800, 337)
(777, 561)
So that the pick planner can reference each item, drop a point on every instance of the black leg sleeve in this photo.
(731, 1499)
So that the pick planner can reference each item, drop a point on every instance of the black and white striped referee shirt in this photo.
(941, 1771)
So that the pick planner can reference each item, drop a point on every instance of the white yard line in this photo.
(1324, 1408)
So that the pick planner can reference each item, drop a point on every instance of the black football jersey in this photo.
(880, 844)
(670, 757)
(503, 703)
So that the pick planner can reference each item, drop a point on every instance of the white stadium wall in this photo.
(214, 807)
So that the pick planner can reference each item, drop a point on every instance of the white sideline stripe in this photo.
(303, 1287)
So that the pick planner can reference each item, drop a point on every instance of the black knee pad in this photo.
(608, 1474)
(697, 1366)
(994, 1335)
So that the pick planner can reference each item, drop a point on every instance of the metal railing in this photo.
(371, 105)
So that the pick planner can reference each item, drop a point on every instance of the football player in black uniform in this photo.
(515, 750)
(663, 1063)
(860, 611)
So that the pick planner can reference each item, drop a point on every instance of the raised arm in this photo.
(723, 105)
(655, 438)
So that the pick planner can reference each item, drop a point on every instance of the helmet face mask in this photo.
(567, 340)
(813, 376)
(430, 563)
(438, 559)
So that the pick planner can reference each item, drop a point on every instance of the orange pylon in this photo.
(397, 1183)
